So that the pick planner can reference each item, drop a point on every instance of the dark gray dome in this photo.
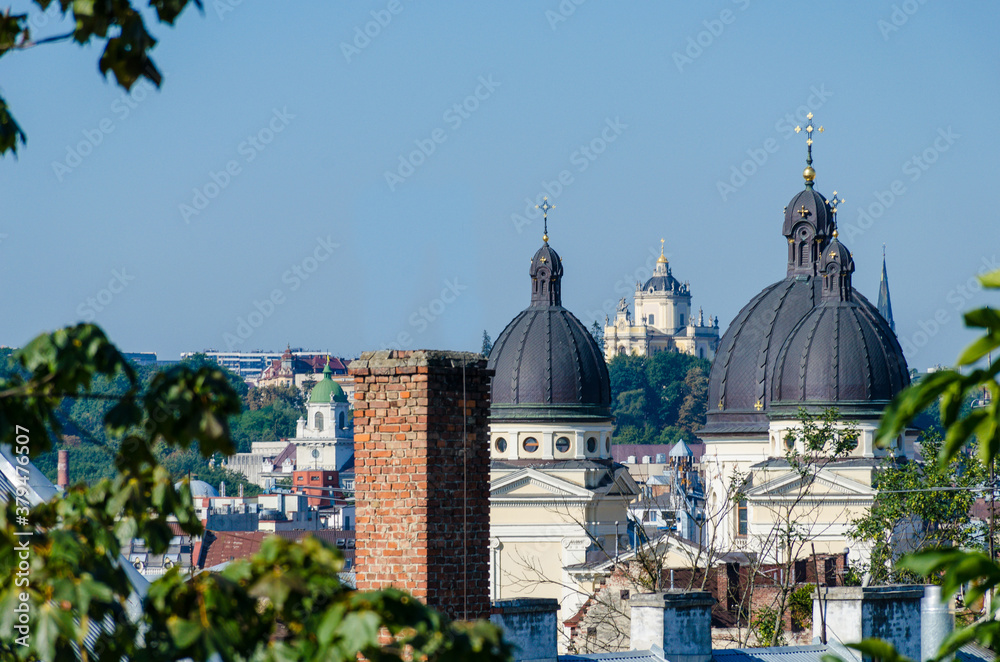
(842, 354)
(548, 367)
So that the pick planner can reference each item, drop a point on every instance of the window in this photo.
(530, 445)
(624, 594)
(645, 516)
(592, 445)
(341, 421)
(501, 445)
(318, 421)
(741, 518)
(701, 352)
(607, 444)
(651, 320)
(562, 444)
(682, 319)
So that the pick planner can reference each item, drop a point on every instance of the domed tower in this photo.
(555, 492)
(325, 438)
(810, 341)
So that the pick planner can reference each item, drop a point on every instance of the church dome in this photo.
(327, 390)
(547, 364)
(809, 328)
(841, 354)
(199, 488)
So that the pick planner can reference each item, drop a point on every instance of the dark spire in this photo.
(546, 269)
(884, 302)
(836, 267)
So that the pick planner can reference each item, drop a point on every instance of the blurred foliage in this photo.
(658, 399)
(974, 430)
(285, 603)
(116, 23)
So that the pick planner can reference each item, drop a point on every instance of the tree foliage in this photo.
(978, 431)
(118, 24)
(286, 603)
(910, 514)
(658, 399)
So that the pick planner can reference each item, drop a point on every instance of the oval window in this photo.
(607, 444)
(501, 445)
(591, 445)
(530, 445)
(562, 444)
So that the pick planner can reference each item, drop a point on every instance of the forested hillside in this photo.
(658, 399)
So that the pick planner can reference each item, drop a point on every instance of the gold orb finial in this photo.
(835, 234)
(663, 258)
(809, 174)
(545, 238)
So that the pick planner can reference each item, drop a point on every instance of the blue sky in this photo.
(297, 180)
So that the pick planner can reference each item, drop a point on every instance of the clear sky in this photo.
(377, 183)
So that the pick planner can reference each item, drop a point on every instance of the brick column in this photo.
(421, 491)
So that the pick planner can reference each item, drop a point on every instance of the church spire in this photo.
(884, 302)
(546, 269)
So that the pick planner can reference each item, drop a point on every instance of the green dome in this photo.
(327, 390)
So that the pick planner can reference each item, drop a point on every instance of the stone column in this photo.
(678, 621)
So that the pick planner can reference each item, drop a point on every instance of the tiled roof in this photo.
(223, 546)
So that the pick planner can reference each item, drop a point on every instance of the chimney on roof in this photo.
(531, 625)
(679, 622)
(936, 623)
(422, 477)
(63, 469)
(853, 613)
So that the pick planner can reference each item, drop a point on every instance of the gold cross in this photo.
(759, 405)
(809, 141)
(835, 202)
(803, 212)
(545, 207)
(720, 403)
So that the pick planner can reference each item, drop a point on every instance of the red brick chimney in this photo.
(62, 467)
(422, 477)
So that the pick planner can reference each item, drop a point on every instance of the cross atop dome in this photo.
(809, 174)
(545, 207)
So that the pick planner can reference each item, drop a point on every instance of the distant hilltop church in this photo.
(663, 320)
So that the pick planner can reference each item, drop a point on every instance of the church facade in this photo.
(811, 343)
(664, 320)
(557, 497)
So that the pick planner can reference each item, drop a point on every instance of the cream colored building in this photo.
(664, 320)
(557, 499)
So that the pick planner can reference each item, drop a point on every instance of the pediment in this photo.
(531, 483)
(824, 483)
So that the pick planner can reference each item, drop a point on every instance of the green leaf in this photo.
(991, 279)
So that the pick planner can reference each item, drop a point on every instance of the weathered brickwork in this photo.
(421, 488)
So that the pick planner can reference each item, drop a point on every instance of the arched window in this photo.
(342, 421)
(651, 320)
(318, 421)
(741, 518)
(701, 352)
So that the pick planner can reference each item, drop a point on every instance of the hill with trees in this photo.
(658, 399)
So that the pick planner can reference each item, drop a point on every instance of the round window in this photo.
(501, 445)
(562, 444)
(530, 445)
(592, 445)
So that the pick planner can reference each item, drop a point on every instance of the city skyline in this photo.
(372, 185)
